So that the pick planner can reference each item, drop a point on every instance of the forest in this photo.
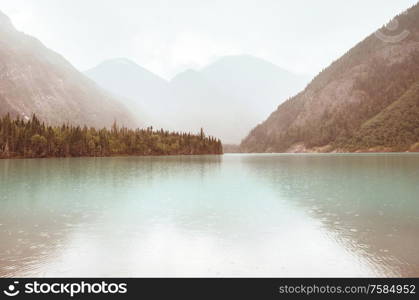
(380, 109)
(34, 139)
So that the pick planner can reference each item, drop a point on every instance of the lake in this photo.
(310, 215)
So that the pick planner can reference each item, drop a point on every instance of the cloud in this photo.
(168, 36)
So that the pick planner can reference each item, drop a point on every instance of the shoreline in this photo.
(108, 156)
(214, 154)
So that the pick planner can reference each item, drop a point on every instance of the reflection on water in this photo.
(232, 215)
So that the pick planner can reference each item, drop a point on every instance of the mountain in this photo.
(201, 105)
(232, 94)
(365, 101)
(255, 82)
(36, 80)
(145, 93)
(224, 98)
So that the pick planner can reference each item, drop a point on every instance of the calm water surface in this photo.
(231, 215)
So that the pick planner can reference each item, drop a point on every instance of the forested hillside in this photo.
(396, 127)
(365, 101)
(35, 79)
(34, 139)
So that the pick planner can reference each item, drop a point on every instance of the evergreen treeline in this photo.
(35, 139)
(397, 127)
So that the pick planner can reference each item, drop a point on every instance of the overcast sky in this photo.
(168, 36)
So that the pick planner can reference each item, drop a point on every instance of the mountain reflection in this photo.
(367, 202)
(232, 215)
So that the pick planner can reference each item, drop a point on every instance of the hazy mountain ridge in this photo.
(124, 78)
(36, 80)
(198, 103)
(226, 98)
(332, 112)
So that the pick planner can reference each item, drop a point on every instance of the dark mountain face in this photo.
(226, 98)
(343, 108)
(34, 79)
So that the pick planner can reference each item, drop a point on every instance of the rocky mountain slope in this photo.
(365, 101)
(36, 80)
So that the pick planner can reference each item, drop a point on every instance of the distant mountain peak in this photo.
(226, 98)
(188, 73)
(121, 65)
(119, 61)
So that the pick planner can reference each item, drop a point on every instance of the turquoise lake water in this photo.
(231, 215)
